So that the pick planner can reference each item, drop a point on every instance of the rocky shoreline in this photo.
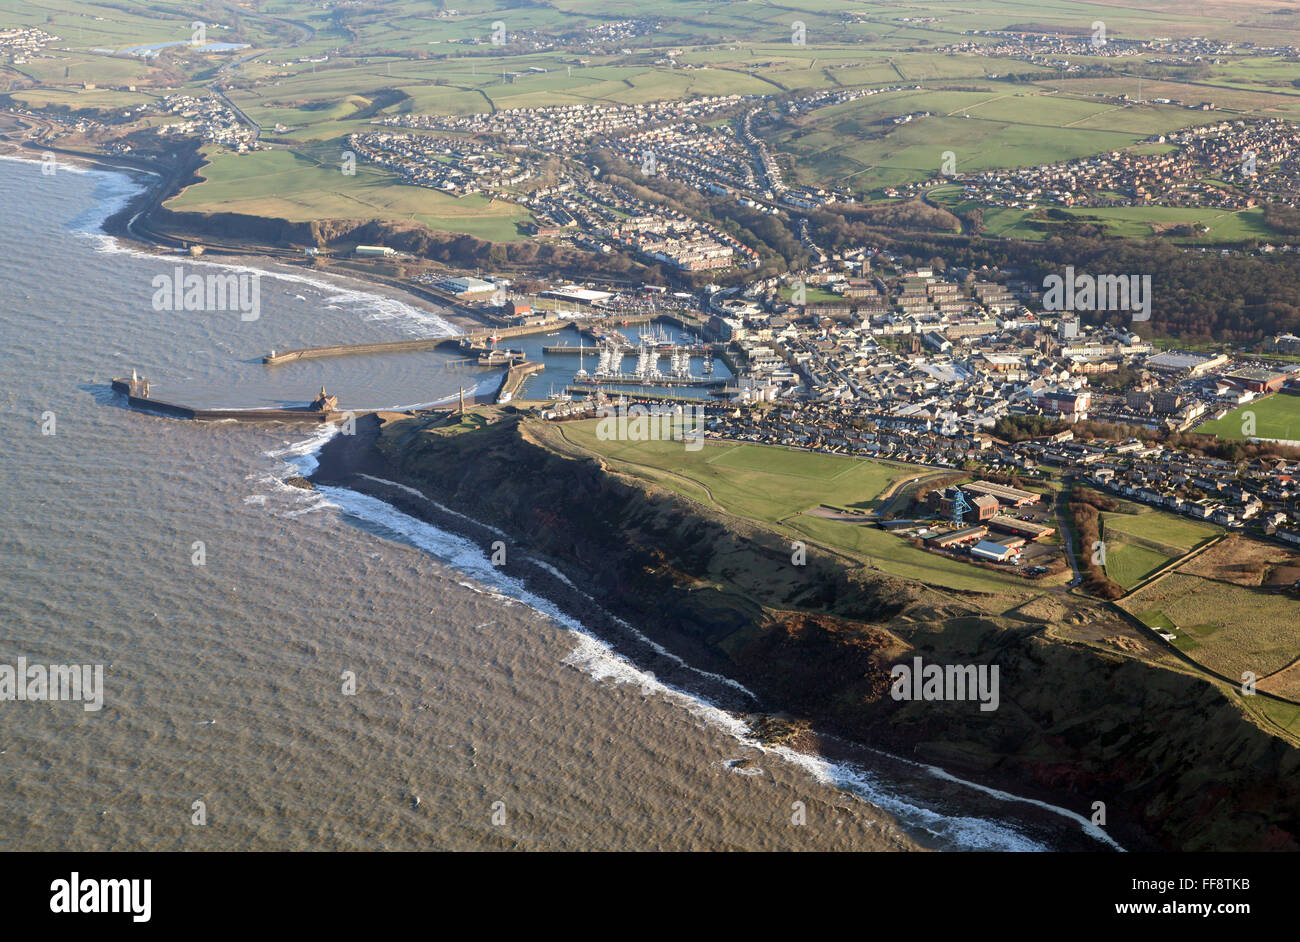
(683, 659)
(1100, 728)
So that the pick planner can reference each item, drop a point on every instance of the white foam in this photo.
(420, 494)
(658, 648)
(374, 307)
(602, 663)
(553, 571)
(123, 188)
(462, 554)
(303, 457)
(1092, 830)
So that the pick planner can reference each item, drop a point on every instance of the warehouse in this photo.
(996, 552)
(954, 537)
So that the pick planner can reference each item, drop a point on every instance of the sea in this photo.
(313, 670)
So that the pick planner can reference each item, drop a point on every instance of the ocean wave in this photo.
(602, 663)
(374, 307)
(303, 456)
(420, 494)
(599, 661)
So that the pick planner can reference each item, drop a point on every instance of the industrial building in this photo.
(979, 507)
(995, 552)
(465, 285)
(1257, 381)
(956, 537)
(1021, 528)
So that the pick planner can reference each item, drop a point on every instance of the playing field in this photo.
(1277, 416)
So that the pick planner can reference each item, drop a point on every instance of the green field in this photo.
(774, 486)
(1277, 416)
(285, 185)
(1128, 564)
(1228, 628)
(812, 294)
(753, 481)
(1157, 530)
(1003, 126)
(1130, 222)
(315, 70)
(1138, 544)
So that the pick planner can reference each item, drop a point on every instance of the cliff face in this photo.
(262, 229)
(1175, 760)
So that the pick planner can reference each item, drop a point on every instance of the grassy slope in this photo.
(774, 485)
(288, 186)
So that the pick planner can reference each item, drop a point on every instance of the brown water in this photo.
(224, 681)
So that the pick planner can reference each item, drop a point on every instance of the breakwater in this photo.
(340, 350)
(515, 377)
(137, 391)
(475, 339)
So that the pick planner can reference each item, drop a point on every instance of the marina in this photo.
(664, 352)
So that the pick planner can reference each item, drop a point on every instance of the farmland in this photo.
(313, 75)
(1000, 126)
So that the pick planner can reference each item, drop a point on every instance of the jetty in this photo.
(324, 408)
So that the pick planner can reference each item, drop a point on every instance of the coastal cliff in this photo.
(1175, 759)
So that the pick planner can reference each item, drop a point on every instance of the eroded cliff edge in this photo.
(1176, 759)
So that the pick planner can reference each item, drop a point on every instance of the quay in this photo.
(395, 346)
(631, 396)
(475, 340)
(514, 378)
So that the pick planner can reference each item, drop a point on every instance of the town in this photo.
(966, 371)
